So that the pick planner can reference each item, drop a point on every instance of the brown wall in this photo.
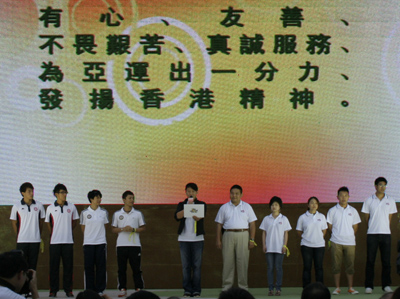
(161, 260)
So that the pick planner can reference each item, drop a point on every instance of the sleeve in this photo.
(178, 209)
(324, 225)
(365, 207)
(75, 214)
(287, 224)
(141, 220)
(13, 215)
(329, 216)
(82, 218)
(356, 218)
(263, 225)
(48, 214)
(251, 214)
(220, 216)
(393, 208)
(300, 223)
(42, 212)
(106, 218)
(114, 221)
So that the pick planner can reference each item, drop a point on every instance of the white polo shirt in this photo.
(342, 221)
(312, 226)
(60, 219)
(275, 229)
(134, 219)
(188, 234)
(379, 211)
(94, 221)
(28, 218)
(235, 217)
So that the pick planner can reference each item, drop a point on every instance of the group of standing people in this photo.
(62, 217)
(236, 231)
(235, 236)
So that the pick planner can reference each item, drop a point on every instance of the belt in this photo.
(237, 230)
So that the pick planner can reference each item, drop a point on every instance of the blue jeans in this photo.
(274, 260)
(309, 254)
(191, 256)
(383, 242)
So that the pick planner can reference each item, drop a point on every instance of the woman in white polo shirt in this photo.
(312, 227)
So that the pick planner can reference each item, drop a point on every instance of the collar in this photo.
(309, 214)
(375, 197)
(239, 204)
(279, 216)
(56, 203)
(7, 284)
(131, 211)
(338, 206)
(24, 203)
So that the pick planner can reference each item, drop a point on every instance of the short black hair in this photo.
(126, 193)
(343, 189)
(235, 293)
(11, 263)
(237, 187)
(25, 186)
(380, 179)
(88, 294)
(276, 199)
(58, 188)
(142, 294)
(92, 194)
(315, 290)
(192, 186)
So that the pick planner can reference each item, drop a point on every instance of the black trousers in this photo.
(31, 253)
(95, 267)
(383, 242)
(133, 254)
(66, 253)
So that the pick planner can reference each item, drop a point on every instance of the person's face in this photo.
(28, 194)
(381, 187)
(313, 205)
(191, 193)
(235, 196)
(343, 198)
(275, 207)
(96, 201)
(129, 200)
(61, 196)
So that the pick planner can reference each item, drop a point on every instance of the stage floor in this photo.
(289, 293)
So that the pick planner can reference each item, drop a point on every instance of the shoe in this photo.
(101, 294)
(336, 291)
(70, 295)
(187, 295)
(368, 291)
(387, 289)
(278, 293)
(122, 293)
(196, 295)
(52, 295)
(352, 291)
(271, 293)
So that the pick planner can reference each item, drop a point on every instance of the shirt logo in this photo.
(121, 217)
(36, 209)
(22, 208)
(89, 216)
(69, 211)
(387, 204)
(242, 211)
(280, 222)
(318, 219)
(350, 214)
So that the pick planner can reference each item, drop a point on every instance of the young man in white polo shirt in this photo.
(238, 220)
(343, 222)
(61, 218)
(27, 218)
(128, 223)
(93, 220)
(378, 209)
